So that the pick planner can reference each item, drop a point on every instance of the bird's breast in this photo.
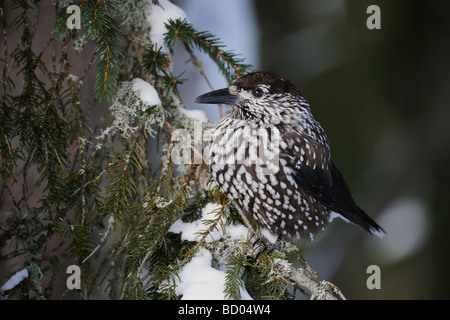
(251, 165)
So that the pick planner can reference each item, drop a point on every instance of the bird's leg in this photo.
(266, 245)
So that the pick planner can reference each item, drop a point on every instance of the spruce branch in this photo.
(228, 62)
(103, 28)
(233, 283)
(304, 277)
(154, 60)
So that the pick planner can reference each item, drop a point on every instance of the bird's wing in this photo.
(310, 163)
(316, 182)
(319, 177)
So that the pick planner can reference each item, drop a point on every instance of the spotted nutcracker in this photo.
(272, 157)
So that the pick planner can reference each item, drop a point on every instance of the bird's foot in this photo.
(264, 245)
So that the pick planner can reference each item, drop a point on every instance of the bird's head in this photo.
(260, 96)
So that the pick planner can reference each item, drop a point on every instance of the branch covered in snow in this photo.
(231, 240)
(304, 277)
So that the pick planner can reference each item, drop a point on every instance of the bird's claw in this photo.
(265, 246)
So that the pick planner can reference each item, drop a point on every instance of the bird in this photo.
(272, 158)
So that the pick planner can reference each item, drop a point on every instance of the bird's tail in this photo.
(370, 225)
(362, 219)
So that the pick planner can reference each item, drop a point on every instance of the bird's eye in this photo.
(257, 93)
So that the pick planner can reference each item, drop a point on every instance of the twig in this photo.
(105, 235)
(200, 68)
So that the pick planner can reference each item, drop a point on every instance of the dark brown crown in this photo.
(277, 84)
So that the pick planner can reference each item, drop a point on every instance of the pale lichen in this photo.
(131, 114)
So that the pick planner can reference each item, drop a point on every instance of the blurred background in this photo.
(383, 97)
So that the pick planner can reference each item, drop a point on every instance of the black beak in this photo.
(221, 96)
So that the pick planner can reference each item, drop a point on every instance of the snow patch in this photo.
(157, 16)
(146, 92)
(193, 231)
(199, 281)
(15, 280)
(194, 114)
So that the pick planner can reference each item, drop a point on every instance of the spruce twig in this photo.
(228, 62)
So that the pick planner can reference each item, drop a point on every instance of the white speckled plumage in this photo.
(271, 156)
